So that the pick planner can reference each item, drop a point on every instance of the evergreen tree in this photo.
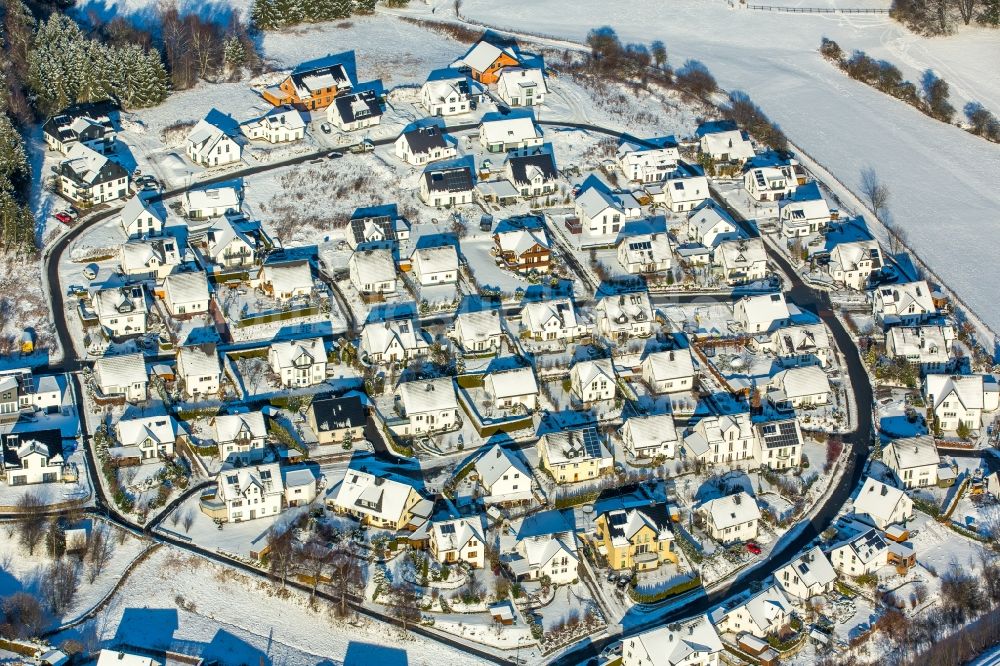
(289, 12)
(264, 15)
(364, 6)
(235, 55)
(13, 161)
(144, 79)
(342, 8)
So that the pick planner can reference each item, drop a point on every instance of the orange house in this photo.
(485, 61)
(312, 85)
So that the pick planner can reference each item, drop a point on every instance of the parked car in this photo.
(335, 155)
(90, 271)
(326, 128)
(64, 217)
(753, 548)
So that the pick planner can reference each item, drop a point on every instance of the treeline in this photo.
(932, 97)
(939, 17)
(276, 14)
(742, 110)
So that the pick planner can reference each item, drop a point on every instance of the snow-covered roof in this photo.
(594, 199)
(158, 429)
(712, 223)
(205, 135)
(740, 253)
(522, 77)
(651, 430)
(229, 426)
(644, 248)
(717, 429)
(376, 337)
(233, 484)
(121, 370)
(199, 361)
(675, 643)
(813, 568)
(929, 344)
(288, 277)
(584, 373)
(224, 197)
(624, 524)
(440, 259)
(148, 254)
(801, 382)
(778, 434)
(573, 446)
(373, 495)
(510, 130)
(669, 364)
(866, 546)
(911, 452)
(90, 167)
(968, 389)
(119, 658)
(537, 314)
(482, 55)
(130, 299)
(496, 462)
(623, 309)
(800, 339)
(768, 607)
(453, 534)
(279, 117)
(431, 395)
(376, 265)
(904, 298)
(135, 207)
(727, 142)
(732, 510)
(511, 382)
(190, 287)
(293, 353)
(762, 309)
(847, 256)
(519, 241)
(878, 499)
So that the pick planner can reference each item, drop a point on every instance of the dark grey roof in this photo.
(425, 139)
(453, 179)
(658, 514)
(358, 105)
(339, 413)
(383, 222)
(51, 438)
(520, 165)
(775, 434)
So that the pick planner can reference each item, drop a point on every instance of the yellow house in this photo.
(574, 455)
(639, 538)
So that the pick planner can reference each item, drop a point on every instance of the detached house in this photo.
(862, 554)
(435, 265)
(27, 458)
(594, 381)
(287, 280)
(882, 505)
(152, 259)
(202, 204)
(906, 303)
(392, 341)
(355, 111)
(447, 186)
(78, 125)
(504, 135)
(447, 92)
(281, 125)
(645, 253)
(637, 539)
(89, 178)
(669, 371)
(424, 144)
(650, 437)
(625, 316)
(251, 492)
(372, 272)
(241, 437)
(716, 439)
(424, 406)
(686, 188)
(797, 345)
(741, 261)
(377, 501)
(478, 331)
(378, 227)
(503, 476)
(186, 294)
(338, 420)
(199, 370)
(545, 546)
(522, 86)
(298, 362)
(313, 84)
(925, 347)
(147, 438)
(804, 212)
(523, 248)
(532, 175)
(778, 444)
(601, 212)
(649, 162)
(512, 388)
(855, 265)
(732, 518)
(139, 220)
(553, 320)
(764, 313)
(693, 642)
(709, 225)
(763, 615)
(485, 61)
(724, 142)
(458, 540)
(913, 460)
(209, 145)
(770, 183)
(802, 387)
(232, 247)
(121, 310)
(123, 375)
(961, 399)
(574, 455)
(809, 575)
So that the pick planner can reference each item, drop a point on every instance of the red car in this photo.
(64, 217)
(753, 548)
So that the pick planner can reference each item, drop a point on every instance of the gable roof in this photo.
(732, 510)
(425, 139)
(968, 389)
(121, 370)
(910, 452)
(483, 54)
(524, 168)
(512, 382)
(357, 106)
(448, 179)
(438, 259)
(198, 361)
(477, 326)
(510, 130)
(339, 413)
(135, 207)
(372, 495)
(537, 314)
(228, 426)
(669, 364)
(421, 396)
(878, 499)
(676, 642)
(653, 429)
(813, 568)
(495, 462)
(289, 351)
(802, 381)
(158, 429)
(186, 287)
(624, 524)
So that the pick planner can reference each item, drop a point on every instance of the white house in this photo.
(90, 178)
(961, 399)
(282, 124)
(522, 86)
(199, 370)
(301, 485)
(204, 203)
(373, 271)
(478, 331)
(574, 455)
(645, 253)
(152, 259)
(686, 188)
(124, 375)
(625, 316)
(149, 437)
(287, 280)
(532, 175)
(925, 347)
(425, 144)
(447, 186)
(693, 642)
(298, 362)
(804, 212)
(94, 130)
(802, 387)
(807, 576)
(140, 220)
(504, 135)
(669, 371)
(724, 438)
(731, 518)
(251, 492)
(770, 183)
(230, 248)
(553, 556)
(778, 444)
(650, 437)
(446, 93)
(121, 310)
(435, 265)
(379, 501)
(553, 320)
(186, 294)
(644, 163)
(906, 303)
(763, 313)
(241, 437)
(797, 345)
(764, 614)
(913, 460)
(709, 224)
(882, 505)
(425, 406)
(724, 142)
(862, 554)
(503, 476)
(355, 111)
(392, 341)
(600, 211)
(209, 145)
(32, 457)
(458, 540)
(741, 261)
(593, 381)
(855, 264)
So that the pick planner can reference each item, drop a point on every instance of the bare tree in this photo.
(59, 587)
(967, 10)
(31, 527)
(896, 239)
(99, 553)
(22, 616)
(174, 518)
(404, 605)
(346, 574)
(315, 558)
(874, 190)
(188, 521)
(280, 553)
